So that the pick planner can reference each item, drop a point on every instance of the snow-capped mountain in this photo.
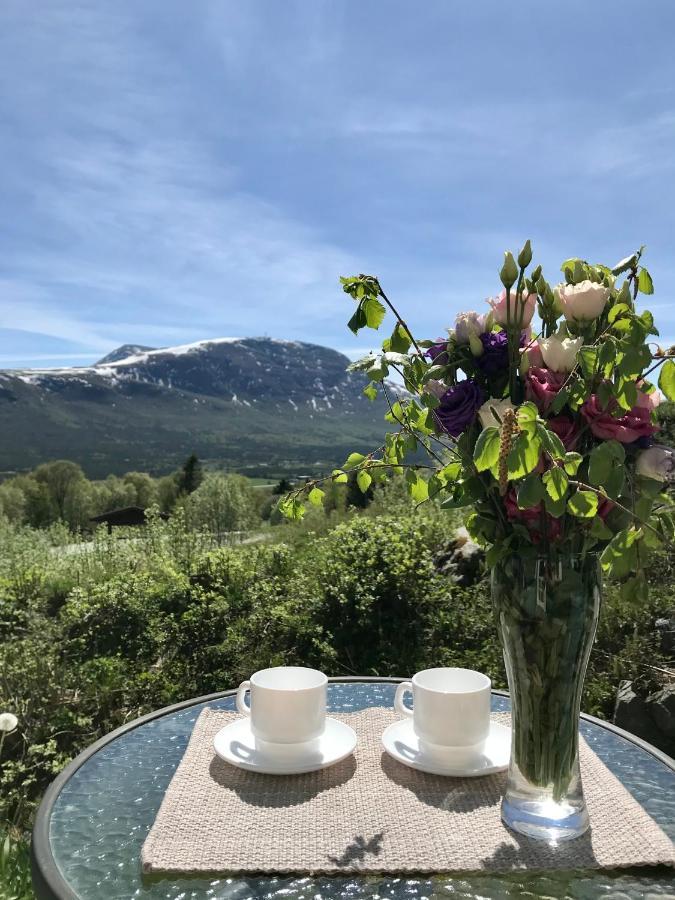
(242, 402)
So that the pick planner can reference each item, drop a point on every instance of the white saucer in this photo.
(401, 742)
(237, 745)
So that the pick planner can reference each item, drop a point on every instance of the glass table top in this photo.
(104, 811)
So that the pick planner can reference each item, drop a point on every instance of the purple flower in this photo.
(495, 357)
(437, 353)
(458, 406)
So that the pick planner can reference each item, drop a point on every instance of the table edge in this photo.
(48, 882)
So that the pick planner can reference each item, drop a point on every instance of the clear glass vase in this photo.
(547, 611)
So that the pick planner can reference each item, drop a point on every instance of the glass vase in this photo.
(547, 611)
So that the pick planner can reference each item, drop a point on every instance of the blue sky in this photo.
(176, 171)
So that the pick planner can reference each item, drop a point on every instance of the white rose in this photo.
(560, 353)
(468, 324)
(657, 463)
(8, 722)
(582, 302)
(486, 413)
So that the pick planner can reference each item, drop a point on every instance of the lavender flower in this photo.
(438, 352)
(458, 406)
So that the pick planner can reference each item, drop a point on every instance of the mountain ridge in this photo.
(246, 404)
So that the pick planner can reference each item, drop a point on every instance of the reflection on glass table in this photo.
(92, 824)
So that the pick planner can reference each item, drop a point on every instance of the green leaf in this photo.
(571, 462)
(417, 486)
(292, 508)
(530, 491)
(370, 391)
(524, 455)
(316, 496)
(400, 340)
(451, 472)
(645, 283)
(603, 460)
(555, 508)
(398, 359)
(618, 310)
(339, 477)
(353, 460)
(619, 557)
(588, 361)
(430, 400)
(458, 500)
(374, 312)
(583, 504)
(556, 482)
(379, 371)
(625, 392)
(600, 531)
(363, 480)
(667, 379)
(560, 400)
(486, 451)
(358, 320)
(625, 264)
(551, 443)
(366, 362)
(605, 393)
(527, 416)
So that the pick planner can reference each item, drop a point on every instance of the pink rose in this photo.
(566, 429)
(542, 386)
(525, 308)
(629, 427)
(650, 401)
(532, 520)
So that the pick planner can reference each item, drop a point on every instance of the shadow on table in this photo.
(269, 791)
(524, 852)
(358, 850)
(458, 795)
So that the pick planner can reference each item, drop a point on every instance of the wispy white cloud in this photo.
(174, 172)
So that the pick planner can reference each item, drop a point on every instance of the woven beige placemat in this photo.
(371, 814)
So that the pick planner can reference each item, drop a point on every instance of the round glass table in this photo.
(94, 818)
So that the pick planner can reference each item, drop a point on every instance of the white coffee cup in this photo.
(288, 704)
(451, 707)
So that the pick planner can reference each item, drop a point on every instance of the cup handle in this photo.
(241, 693)
(399, 706)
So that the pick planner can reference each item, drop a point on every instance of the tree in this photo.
(283, 487)
(190, 476)
(145, 488)
(223, 503)
(12, 502)
(61, 480)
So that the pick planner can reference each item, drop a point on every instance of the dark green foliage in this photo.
(190, 475)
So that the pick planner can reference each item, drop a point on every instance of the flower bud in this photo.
(509, 271)
(525, 255)
(536, 275)
(476, 345)
(657, 463)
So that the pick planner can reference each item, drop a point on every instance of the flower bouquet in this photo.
(544, 434)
